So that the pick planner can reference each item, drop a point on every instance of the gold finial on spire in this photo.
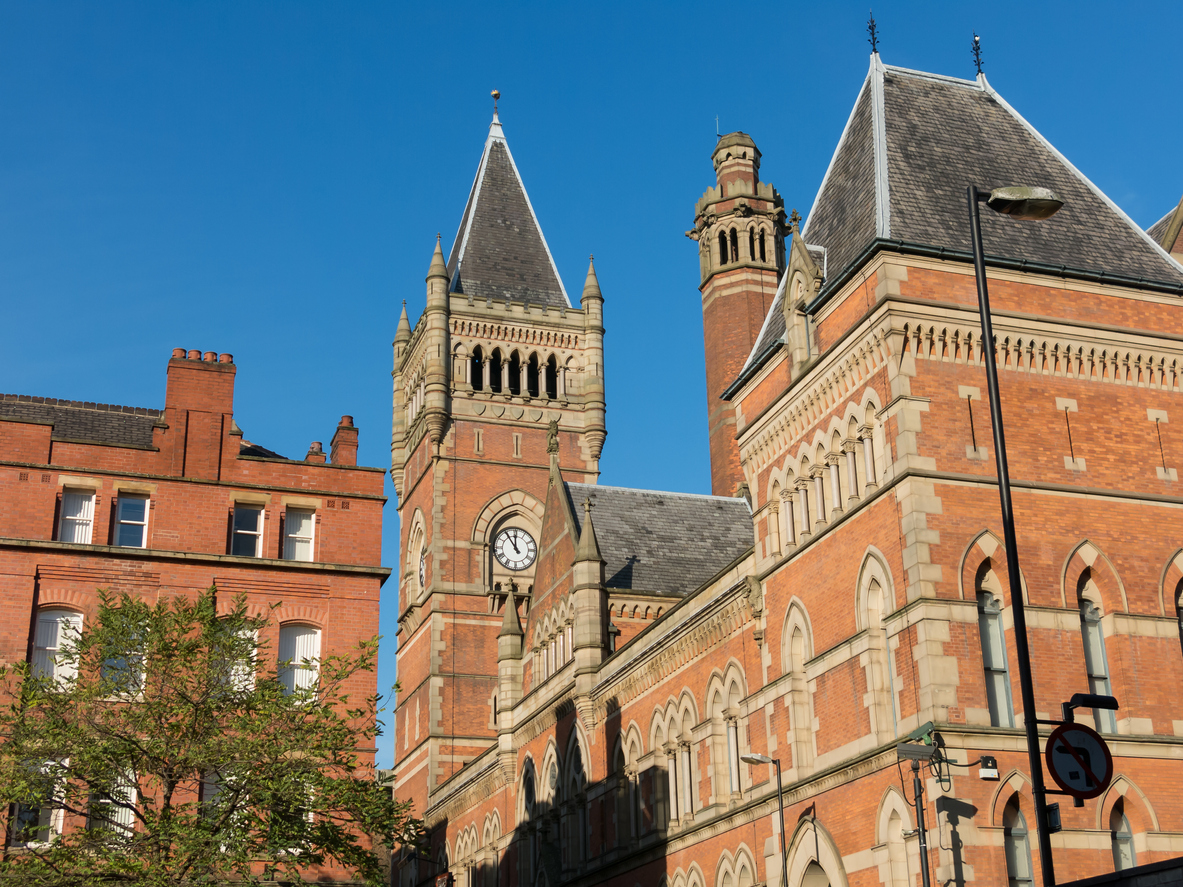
(496, 95)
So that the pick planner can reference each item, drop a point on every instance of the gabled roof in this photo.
(1166, 230)
(912, 145)
(670, 543)
(499, 251)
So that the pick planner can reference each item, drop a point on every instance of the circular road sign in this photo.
(1079, 760)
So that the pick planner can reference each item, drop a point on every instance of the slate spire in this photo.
(500, 251)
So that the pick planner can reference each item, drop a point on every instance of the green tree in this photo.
(161, 747)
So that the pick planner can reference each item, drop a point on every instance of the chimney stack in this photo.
(344, 446)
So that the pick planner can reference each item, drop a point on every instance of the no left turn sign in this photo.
(1079, 760)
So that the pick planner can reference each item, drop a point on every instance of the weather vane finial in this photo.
(977, 51)
(873, 31)
(496, 95)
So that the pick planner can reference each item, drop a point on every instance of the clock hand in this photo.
(514, 544)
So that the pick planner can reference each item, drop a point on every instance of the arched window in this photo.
(722, 247)
(56, 631)
(815, 876)
(1018, 847)
(734, 246)
(495, 371)
(998, 696)
(478, 369)
(686, 767)
(515, 374)
(1123, 839)
(532, 376)
(751, 243)
(1095, 663)
(660, 778)
(625, 827)
(897, 853)
(763, 257)
(552, 378)
(299, 657)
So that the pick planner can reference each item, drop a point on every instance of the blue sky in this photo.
(267, 178)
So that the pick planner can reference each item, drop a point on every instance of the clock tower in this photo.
(501, 377)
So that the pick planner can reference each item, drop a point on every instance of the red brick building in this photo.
(171, 501)
(583, 667)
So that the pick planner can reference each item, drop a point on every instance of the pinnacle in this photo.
(591, 286)
(588, 548)
(511, 624)
(404, 325)
(438, 267)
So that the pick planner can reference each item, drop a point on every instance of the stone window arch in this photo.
(796, 650)
(876, 601)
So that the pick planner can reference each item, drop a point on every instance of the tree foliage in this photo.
(168, 750)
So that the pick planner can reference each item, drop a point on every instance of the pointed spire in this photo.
(495, 130)
(591, 286)
(588, 548)
(404, 326)
(438, 267)
(511, 625)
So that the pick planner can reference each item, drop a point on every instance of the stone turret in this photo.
(593, 384)
(436, 316)
(739, 226)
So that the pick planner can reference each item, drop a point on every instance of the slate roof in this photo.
(500, 251)
(1159, 228)
(84, 421)
(101, 423)
(914, 141)
(663, 542)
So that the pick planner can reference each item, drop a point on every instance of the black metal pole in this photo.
(784, 850)
(1022, 652)
(918, 799)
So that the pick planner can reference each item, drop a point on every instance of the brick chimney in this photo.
(316, 453)
(344, 447)
(199, 411)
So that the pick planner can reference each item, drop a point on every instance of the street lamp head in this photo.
(1024, 202)
(1093, 701)
(753, 758)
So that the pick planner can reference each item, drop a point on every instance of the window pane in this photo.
(77, 517)
(246, 520)
(130, 536)
(132, 508)
(299, 647)
(299, 523)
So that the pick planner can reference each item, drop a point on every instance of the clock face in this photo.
(514, 548)
(422, 570)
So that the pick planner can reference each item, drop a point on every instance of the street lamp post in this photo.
(1020, 203)
(753, 758)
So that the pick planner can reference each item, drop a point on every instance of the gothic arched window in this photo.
(734, 246)
(515, 374)
(1095, 662)
(1123, 839)
(763, 257)
(998, 696)
(495, 371)
(478, 369)
(1017, 845)
(722, 247)
(532, 376)
(751, 243)
(552, 378)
